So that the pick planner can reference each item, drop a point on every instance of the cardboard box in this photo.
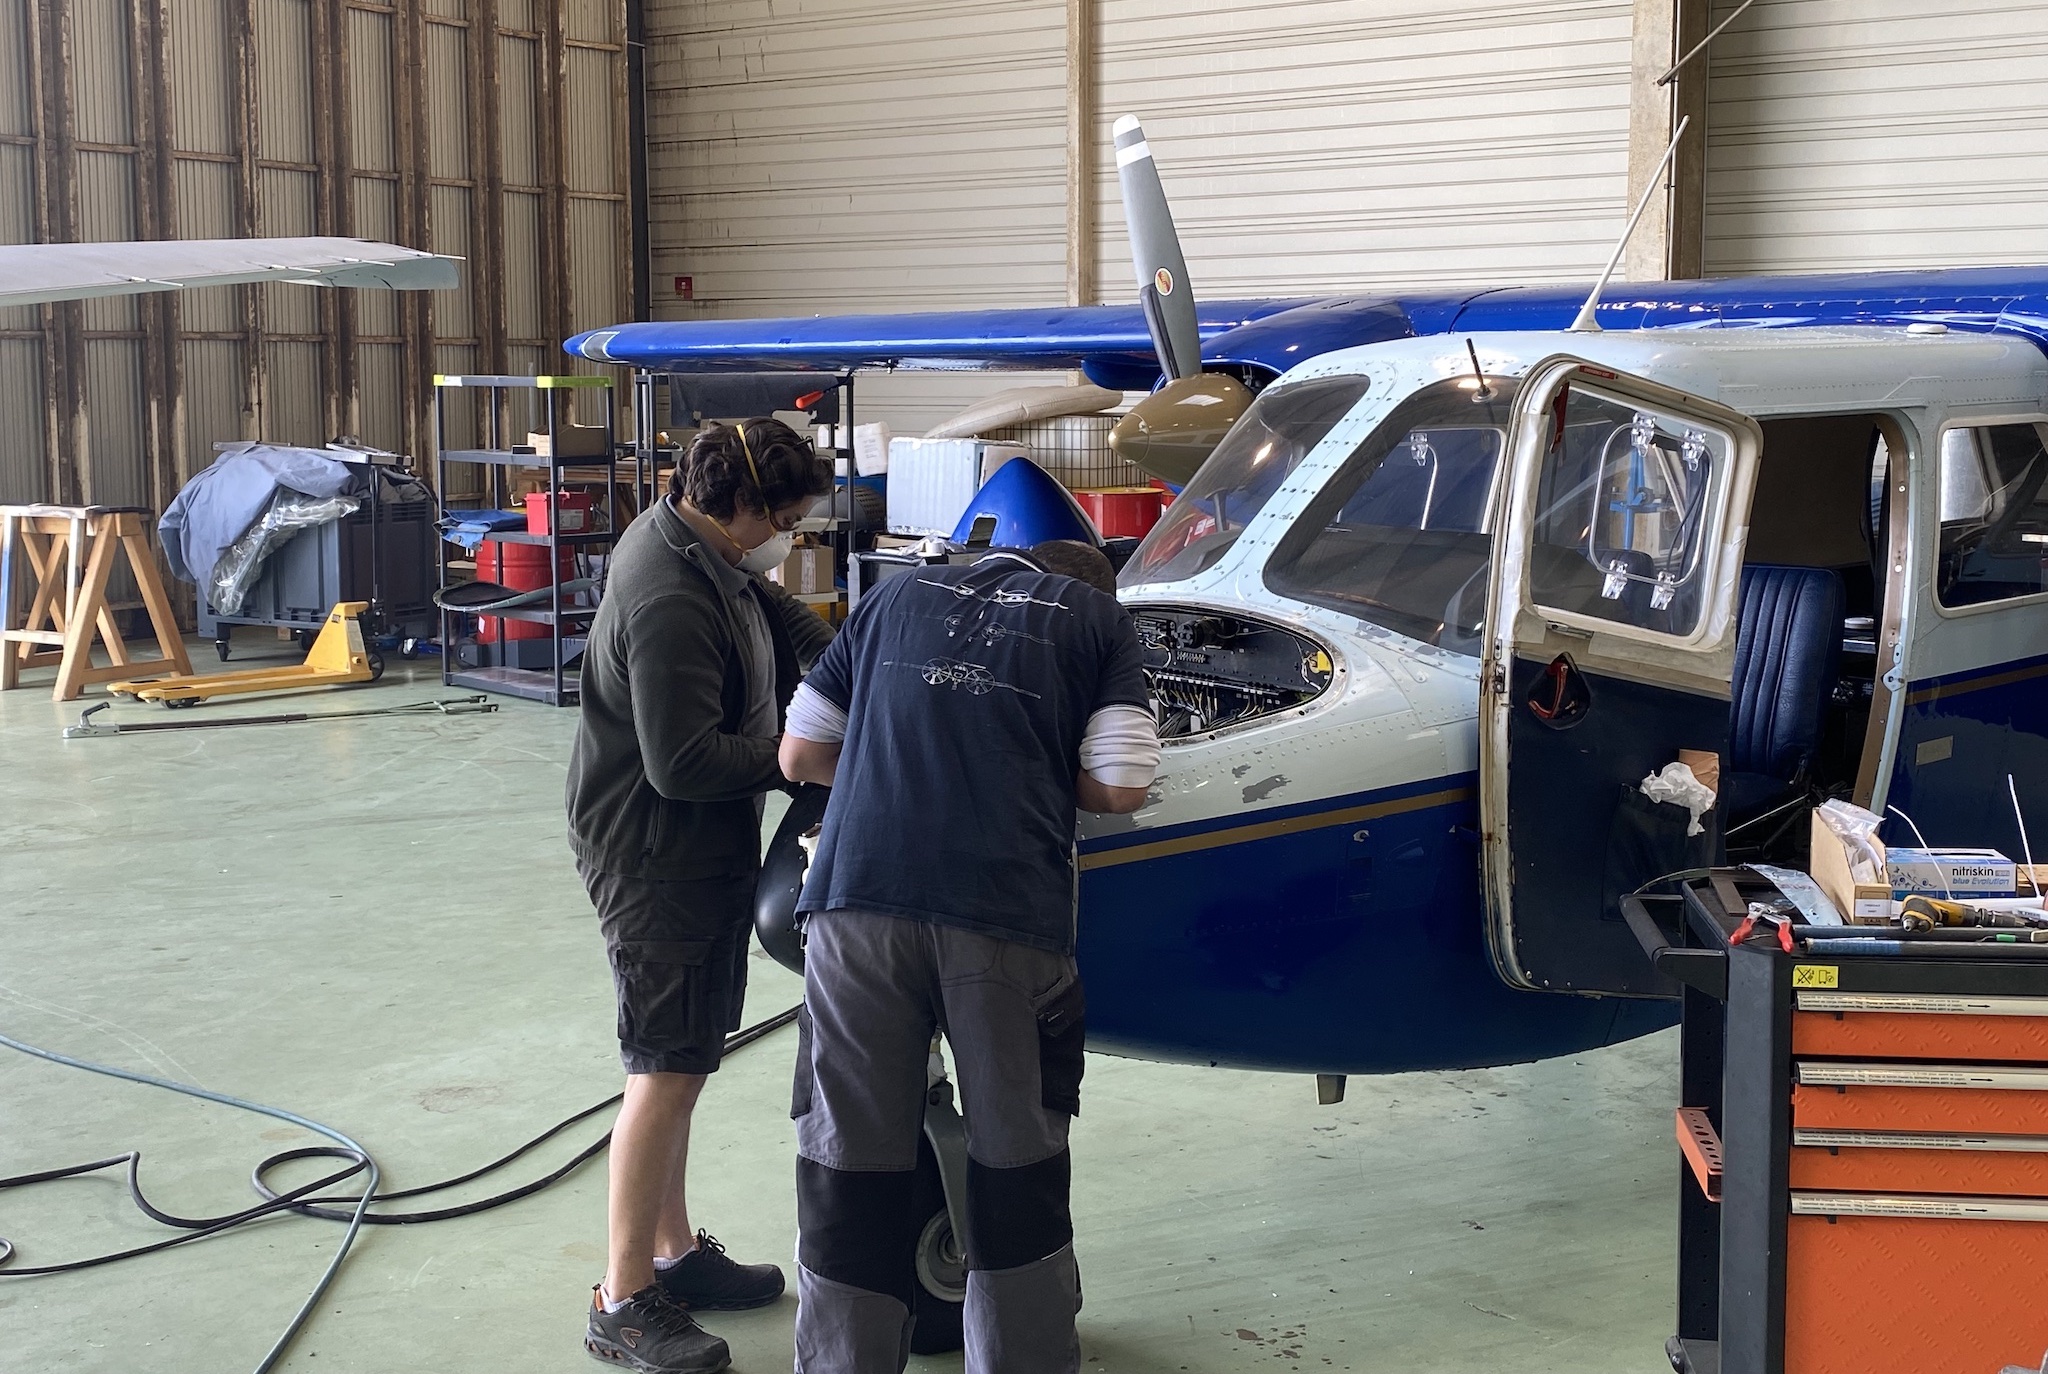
(1861, 904)
(806, 572)
(571, 441)
(1950, 872)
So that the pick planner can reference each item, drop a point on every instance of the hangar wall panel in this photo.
(837, 155)
(829, 156)
(1327, 146)
(226, 118)
(1848, 134)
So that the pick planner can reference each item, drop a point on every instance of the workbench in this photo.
(1865, 1147)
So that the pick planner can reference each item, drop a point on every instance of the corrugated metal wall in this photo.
(816, 156)
(491, 129)
(1877, 133)
(1326, 145)
(827, 156)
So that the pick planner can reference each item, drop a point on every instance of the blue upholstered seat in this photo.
(1787, 654)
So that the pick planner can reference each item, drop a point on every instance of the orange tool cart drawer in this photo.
(1925, 1162)
(1986, 1099)
(1922, 1284)
(1924, 1026)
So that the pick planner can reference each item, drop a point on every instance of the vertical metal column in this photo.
(1756, 1137)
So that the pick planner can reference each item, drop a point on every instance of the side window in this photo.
(1626, 514)
(1400, 536)
(1994, 514)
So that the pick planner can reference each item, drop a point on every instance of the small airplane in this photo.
(1451, 573)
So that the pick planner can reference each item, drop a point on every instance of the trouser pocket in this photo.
(800, 1091)
(1062, 1031)
(662, 993)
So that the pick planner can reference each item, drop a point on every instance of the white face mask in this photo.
(772, 552)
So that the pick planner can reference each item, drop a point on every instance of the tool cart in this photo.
(1865, 1138)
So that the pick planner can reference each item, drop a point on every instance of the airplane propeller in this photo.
(1170, 432)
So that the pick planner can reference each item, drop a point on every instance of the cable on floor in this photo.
(353, 1211)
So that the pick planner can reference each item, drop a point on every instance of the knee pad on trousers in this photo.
(857, 1227)
(1017, 1216)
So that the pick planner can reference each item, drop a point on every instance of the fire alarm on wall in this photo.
(686, 287)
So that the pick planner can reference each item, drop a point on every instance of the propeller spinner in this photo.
(1170, 432)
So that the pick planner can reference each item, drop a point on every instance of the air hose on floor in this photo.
(353, 1211)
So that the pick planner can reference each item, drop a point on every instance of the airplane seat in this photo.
(1788, 648)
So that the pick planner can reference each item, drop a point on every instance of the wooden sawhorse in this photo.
(70, 550)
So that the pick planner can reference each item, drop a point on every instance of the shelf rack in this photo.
(557, 685)
(693, 399)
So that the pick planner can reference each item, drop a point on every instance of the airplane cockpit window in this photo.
(1233, 486)
(1624, 514)
(1402, 535)
(1994, 514)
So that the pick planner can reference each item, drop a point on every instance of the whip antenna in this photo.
(1585, 323)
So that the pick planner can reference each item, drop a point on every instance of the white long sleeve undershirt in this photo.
(1120, 747)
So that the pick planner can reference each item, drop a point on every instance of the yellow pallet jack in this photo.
(337, 657)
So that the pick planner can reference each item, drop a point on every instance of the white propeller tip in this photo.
(1123, 125)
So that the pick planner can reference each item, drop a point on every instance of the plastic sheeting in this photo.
(287, 513)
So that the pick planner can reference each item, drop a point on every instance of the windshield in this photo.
(1402, 535)
(1233, 486)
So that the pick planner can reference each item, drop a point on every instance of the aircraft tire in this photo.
(940, 1300)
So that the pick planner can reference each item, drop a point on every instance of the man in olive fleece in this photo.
(691, 661)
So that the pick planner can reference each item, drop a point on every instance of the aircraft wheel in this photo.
(940, 1298)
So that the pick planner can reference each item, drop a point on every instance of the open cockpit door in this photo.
(1610, 645)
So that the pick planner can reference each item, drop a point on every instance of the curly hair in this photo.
(716, 476)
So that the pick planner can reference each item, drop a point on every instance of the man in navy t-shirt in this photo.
(961, 717)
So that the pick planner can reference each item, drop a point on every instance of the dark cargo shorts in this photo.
(679, 963)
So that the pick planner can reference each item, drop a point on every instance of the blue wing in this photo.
(1110, 342)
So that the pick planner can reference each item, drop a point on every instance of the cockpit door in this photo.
(1610, 644)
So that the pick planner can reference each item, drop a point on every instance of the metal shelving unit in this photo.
(743, 394)
(555, 685)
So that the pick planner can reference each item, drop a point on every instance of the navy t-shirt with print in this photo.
(967, 691)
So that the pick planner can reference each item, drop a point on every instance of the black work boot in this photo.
(708, 1281)
(651, 1335)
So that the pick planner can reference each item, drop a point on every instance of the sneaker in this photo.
(651, 1335)
(708, 1281)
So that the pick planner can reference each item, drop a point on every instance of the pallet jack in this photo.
(338, 657)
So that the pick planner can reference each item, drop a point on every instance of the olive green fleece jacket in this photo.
(661, 781)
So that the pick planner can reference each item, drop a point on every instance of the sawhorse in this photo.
(70, 550)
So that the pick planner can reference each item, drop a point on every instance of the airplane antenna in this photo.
(1701, 46)
(1585, 323)
(1484, 393)
(2020, 816)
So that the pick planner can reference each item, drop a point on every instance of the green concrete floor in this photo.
(375, 923)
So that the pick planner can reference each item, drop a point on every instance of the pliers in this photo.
(1774, 916)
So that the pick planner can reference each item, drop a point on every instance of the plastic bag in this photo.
(1677, 784)
(1856, 828)
(242, 563)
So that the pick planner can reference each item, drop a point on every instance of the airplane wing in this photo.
(1110, 342)
(33, 273)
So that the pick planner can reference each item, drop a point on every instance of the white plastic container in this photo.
(931, 481)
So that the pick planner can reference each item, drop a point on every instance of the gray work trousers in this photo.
(875, 987)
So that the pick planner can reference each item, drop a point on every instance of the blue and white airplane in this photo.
(1455, 571)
